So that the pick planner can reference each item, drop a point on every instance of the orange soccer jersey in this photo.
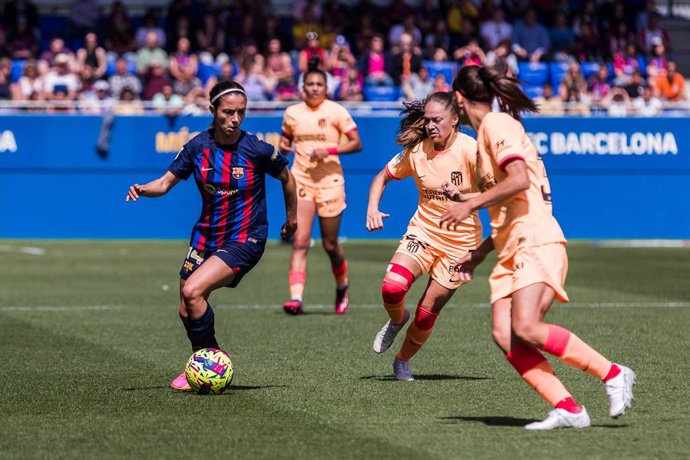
(430, 169)
(524, 220)
(318, 128)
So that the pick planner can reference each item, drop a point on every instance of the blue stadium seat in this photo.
(207, 71)
(446, 68)
(381, 93)
(589, 68)
(534, 91)
(558, 71)
(533, 73)
(17, 69)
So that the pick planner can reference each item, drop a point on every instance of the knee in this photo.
(525, 331)
(393, 291)
(301, 243)
(191, 293)
(502, 337)
(329, 245)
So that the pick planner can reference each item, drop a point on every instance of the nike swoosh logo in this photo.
(207, 169)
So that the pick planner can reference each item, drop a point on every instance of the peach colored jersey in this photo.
(525, 219)
(430, 169)
(318, 128)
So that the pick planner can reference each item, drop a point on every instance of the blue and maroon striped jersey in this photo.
(231, 180)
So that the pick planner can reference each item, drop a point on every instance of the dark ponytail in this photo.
(313, 67)
(483, 84)
(412, 129)
(224, 88)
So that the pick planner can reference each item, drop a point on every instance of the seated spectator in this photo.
(123, 78)
(530, 39)
(573, 91)
(441, 84)
(86, 82)
(61, 80)
(166, 102)
(61, 101)
(471, 54)
(92, 55)
(656, 65)
(312, 50)
(636, 85)
(189, 87)
(47, 59)
(671, 86)
(183, 59)
(6, 92)
(21, 42)
(495, 29)
(286, 89)
(375, 63)
(647, 105)
(83, 16)
(653, 34)
(503, 58)
(599, 86)
(99, 101)
(154, 79)
(341, 58)
(252, 77)
(439, 55)
(549, 103)
(119, 33)
(562, 38)
(409, 27)
(625, 64)
(149, 25)
(406, 62)
(150, 53)
(437, 39)
(350, 88)
(30, 83)
(617, 103)
(418, 86)
(128, 104)
(619, 39)
(587, 43)
(278, 62)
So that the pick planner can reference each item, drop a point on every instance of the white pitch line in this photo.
(30, 250)
(65, 308)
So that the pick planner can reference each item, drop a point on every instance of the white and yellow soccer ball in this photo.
(209, 371)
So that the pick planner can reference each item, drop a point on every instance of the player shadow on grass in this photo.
(510, 421)
(232, 387)
(386, 378)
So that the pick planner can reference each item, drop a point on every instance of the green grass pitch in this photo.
(90, 340)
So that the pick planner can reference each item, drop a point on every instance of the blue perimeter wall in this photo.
(611, 178)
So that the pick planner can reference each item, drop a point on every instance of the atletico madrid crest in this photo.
(238, 172)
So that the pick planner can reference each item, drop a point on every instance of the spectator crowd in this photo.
(576, 57)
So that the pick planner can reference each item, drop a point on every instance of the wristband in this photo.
(332, 150)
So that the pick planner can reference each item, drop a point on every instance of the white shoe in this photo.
(402, 371)
(561, 418)
(620, 391)
(385, 337)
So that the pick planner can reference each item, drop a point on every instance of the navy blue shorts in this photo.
(241, 257)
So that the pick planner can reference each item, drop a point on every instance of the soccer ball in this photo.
(209, 371)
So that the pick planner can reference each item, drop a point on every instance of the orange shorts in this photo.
(437, 263)
(330, 201)
(530, 265)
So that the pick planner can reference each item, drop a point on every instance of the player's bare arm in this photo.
(517, 181)
(374, 216)
(352, 145)
(285, 144)
(290, 196)
(153, 189)
(465, 266)
(453, 193)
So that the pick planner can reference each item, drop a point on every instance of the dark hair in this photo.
(483, 84)
(223, 86)
(313, 67)
(412, 129)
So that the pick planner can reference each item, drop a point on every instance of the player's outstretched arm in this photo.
(374, 216)
(290, 196)
(285, 145)
(153, 189)
(465, 266)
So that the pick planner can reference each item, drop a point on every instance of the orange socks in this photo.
(537, 372)
(296, 280)
(570, 349)
(340, 274)
(417, 333)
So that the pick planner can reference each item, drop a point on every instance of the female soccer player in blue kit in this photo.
(229, 166)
